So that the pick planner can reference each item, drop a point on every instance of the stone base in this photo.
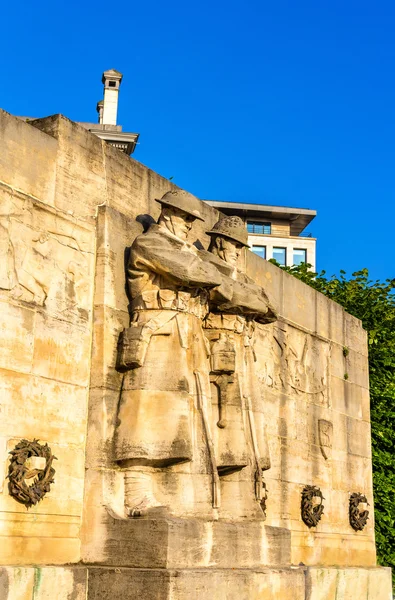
(43, 583)
(114, 583)
(189, 543)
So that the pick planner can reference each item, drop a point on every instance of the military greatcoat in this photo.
(163, 348)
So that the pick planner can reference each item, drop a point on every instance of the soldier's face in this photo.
(179, 223)
(229, 251)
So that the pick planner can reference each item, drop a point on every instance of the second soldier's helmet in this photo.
(183, 201)
(232, 228)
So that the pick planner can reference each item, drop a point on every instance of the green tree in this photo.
(374, 303)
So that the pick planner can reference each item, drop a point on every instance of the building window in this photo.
(259, 250)
(300, 256)
(280, 255)
(112, 84)
(259, 227)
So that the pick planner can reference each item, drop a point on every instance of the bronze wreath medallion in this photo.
(311, 514)
(19, 473)
(358, 518)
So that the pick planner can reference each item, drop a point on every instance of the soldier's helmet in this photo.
(183, 201)
(232, 228)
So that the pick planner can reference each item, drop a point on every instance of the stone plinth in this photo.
(110, 583)
(186, 543)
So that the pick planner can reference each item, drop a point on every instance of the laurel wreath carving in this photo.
(358, 518)
(311, 514)
(19, 473)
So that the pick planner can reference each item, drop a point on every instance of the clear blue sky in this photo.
(289, 103)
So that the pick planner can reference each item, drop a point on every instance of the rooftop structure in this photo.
(107, 128)
(275, 231)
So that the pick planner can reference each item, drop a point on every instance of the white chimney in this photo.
(99, 108)
(112, 80)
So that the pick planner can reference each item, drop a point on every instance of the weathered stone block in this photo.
(322, 316)
(380, 584)
(36, 407)
(342, 584)
(17, 326)
(355, 335)
(353, 473)
(336, 323)
(270, 277)
(301, 309)
(196, 584)
(338, 364)
(115, 232)
(43, 583)
(349, 398)
(80, 175)
(61, 350)
(22, 550)
(20, 142)
(358, 369)
(185, 543)
(358, 438)
(107, 327)
(60, 583)
(16, 583)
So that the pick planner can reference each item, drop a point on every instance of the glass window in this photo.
(112, 84)
(300, 256)
(259, 250)
(280, 255)
(259, 227)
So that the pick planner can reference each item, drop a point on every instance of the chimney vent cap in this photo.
(112, 74)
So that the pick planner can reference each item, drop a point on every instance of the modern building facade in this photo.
(275, 231)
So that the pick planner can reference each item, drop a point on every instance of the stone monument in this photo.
(175, 420)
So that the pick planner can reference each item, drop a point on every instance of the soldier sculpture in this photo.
(165, 354)
(230, 327)
(164, 351)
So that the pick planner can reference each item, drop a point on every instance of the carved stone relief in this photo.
(312, 508)
(168, 283)
(325, 436)
(30, 472)
(230, 328)
(189, 343)
(44, 261)
(295, 362)
(358, 518)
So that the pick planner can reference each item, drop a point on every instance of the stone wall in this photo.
(70, 207)
(54, 175)
(46, 287)
(314, 374)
